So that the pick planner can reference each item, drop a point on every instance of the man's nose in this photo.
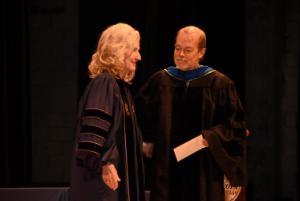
(181, 53)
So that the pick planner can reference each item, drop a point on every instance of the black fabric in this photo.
(133, 144)
(171, 113)
(98, 113)
(122, 144)
(94, 130)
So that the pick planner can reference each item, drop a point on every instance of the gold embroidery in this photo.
(231, 192)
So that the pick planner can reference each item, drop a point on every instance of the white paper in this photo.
(188, 148)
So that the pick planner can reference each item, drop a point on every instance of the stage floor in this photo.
(39, 194)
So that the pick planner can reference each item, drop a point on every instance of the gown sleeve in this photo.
(226, 139)
(99, 123)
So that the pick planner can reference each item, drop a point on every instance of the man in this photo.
(193, 102)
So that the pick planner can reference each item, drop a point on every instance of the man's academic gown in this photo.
(174, 107)
(107, 132)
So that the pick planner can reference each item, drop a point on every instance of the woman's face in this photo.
(134, 57)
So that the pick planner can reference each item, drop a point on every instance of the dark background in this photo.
(46, 46)
(158, 23)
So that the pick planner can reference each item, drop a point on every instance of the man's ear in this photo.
(202, 53)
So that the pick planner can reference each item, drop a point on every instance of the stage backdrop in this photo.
(46, 47)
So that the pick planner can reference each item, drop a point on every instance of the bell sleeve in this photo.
(99, 122)
(227, 139)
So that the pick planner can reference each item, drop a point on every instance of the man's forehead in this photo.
(186, 38)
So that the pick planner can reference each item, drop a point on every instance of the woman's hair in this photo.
(115, 44)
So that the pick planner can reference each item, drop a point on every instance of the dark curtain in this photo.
(226, 24)
(158, 23)
(156, 20)
(15, 147)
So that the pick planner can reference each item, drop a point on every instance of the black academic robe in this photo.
(172, 111)
(107, 132)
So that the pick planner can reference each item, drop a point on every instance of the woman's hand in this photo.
(110, 176)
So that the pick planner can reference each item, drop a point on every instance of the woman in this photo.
(107, 160)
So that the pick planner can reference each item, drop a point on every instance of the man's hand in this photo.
(147, 149)
(203, 141)
(110, 176)
(247, 132)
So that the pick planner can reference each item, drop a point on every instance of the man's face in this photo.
(186, 52)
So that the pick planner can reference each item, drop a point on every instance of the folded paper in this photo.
(188, 148)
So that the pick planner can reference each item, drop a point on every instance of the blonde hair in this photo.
(114, 45)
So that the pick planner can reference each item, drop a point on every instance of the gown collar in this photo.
(190, 74)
